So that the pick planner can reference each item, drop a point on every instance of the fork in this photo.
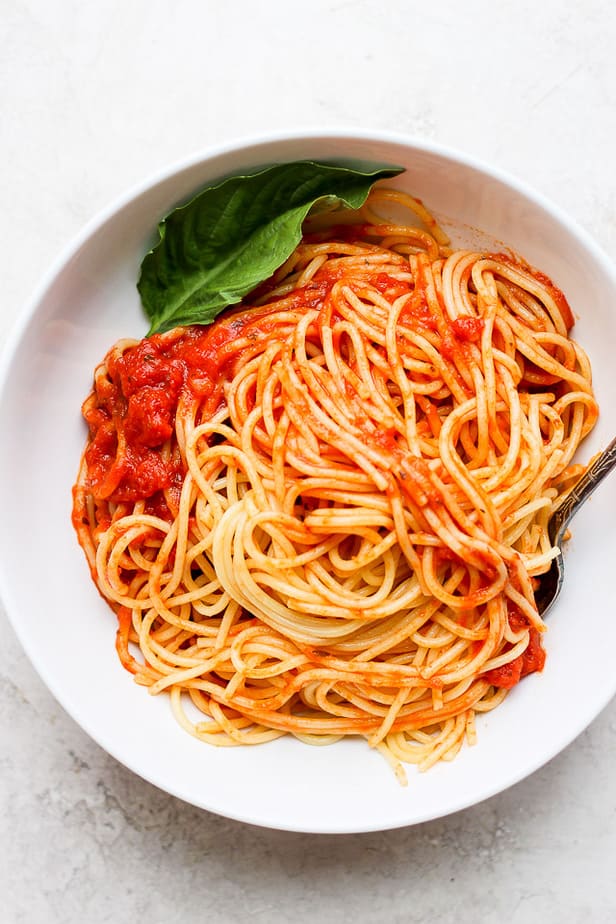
(550, 583)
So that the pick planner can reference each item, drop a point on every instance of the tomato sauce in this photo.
(133, 413)
(468, 328)
(532, 658)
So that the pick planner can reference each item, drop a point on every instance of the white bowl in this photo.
(89, 300)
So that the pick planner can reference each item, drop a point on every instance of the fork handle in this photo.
(598, 469)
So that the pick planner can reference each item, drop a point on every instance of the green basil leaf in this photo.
(233, 236)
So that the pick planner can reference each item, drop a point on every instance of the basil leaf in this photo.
(233, 236)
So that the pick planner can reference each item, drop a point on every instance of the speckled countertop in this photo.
(97, 96)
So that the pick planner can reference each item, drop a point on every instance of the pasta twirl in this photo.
(323, 514)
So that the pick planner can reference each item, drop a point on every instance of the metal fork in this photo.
(550, 583)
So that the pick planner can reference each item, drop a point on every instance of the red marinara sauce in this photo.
(532, 658)
(131, 412)
(468, 329)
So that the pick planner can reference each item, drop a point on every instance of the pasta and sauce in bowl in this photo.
(319, 514)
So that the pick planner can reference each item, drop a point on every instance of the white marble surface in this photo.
(95, 96)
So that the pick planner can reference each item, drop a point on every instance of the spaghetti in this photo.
(323, 514)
